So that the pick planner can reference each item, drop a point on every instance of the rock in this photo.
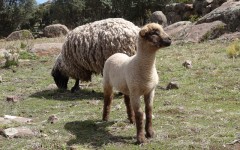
(172, 85)
(55, 30)
(174, 29)
(2, 52)
(12, 99)
(51, 86)
(18, 132)
(4, 121)
(159, 17)
(52, 119)
(201, 32)
(176, 12)
(228, 13)
(187, 64)
(20, 35)
(46, 49)
(17, 119)
(229, 36)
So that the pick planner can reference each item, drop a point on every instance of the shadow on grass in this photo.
(66, 95)
(93, 133)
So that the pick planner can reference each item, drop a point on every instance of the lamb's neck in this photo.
(146, 58)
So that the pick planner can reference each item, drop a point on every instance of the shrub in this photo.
(27, 55)
(233, 50)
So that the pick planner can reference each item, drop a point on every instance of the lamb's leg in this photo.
(108, 96)
(76, 86)
(148, 110)
(135, 102)
(130, 111)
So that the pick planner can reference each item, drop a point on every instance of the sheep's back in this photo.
(87, 47)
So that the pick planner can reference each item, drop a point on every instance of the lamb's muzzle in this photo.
(136, 76)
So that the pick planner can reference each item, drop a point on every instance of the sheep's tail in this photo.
(60, 79)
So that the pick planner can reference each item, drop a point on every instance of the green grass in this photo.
(202, 114)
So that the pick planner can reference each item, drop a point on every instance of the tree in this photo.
(15, 14)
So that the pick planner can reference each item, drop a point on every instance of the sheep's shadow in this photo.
(93, 133)
(66, 95)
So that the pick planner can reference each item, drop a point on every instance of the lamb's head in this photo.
(154, 36)
(58, 74)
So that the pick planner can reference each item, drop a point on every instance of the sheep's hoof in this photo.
(149, 134)
(74, 89)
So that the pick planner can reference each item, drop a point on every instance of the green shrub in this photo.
(27, 55)
(11, 59)
(233, 50)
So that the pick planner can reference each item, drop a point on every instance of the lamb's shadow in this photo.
(93, 133)
(66, 95)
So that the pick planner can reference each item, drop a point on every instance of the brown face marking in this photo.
(155, 36)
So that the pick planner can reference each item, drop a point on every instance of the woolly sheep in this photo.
(135, 76)
(87, 47)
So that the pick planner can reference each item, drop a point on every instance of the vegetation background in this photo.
(26, 14)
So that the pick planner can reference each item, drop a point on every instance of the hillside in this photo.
(202, 114)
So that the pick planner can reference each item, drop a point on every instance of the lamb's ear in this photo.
(143, 31)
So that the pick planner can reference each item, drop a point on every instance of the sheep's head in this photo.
(59, 77)
(155, 36)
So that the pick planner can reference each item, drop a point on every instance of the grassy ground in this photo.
(202, 114)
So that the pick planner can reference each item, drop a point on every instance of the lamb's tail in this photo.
(60, 79)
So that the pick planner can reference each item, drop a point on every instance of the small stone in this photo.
(118, 107)
(52, 119)
(12, 99)
(18, 132)
(94, 102)
(18, 119)
(187, 64)
(51, 86)
(172, 85)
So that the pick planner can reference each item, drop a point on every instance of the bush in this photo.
(233, 50)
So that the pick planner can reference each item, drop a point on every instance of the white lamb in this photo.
(136, 76)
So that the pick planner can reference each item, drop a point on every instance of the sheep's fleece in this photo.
(87, 47)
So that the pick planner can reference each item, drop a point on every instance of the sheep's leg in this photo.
(148, 99)
(135, 102)
(76, 86)
(108, 97)
(130, 111)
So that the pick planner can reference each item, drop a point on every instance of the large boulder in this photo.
(46, 49)
(159, 17)
(178, 11)
(20, 35)
(229, 36)
(174, 29)
(201, 32)
(55, 30)
(228, 12)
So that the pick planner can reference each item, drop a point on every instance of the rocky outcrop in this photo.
(228, 12)
(20, 35)
(45, 49)
(159, 17)
(200, 32)
(178, 11)
(55, 30)
(174, 29)
(229, 36)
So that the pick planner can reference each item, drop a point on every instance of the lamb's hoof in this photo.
(132, 121)
(74, 89)
(140, 140)
(150, 134)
